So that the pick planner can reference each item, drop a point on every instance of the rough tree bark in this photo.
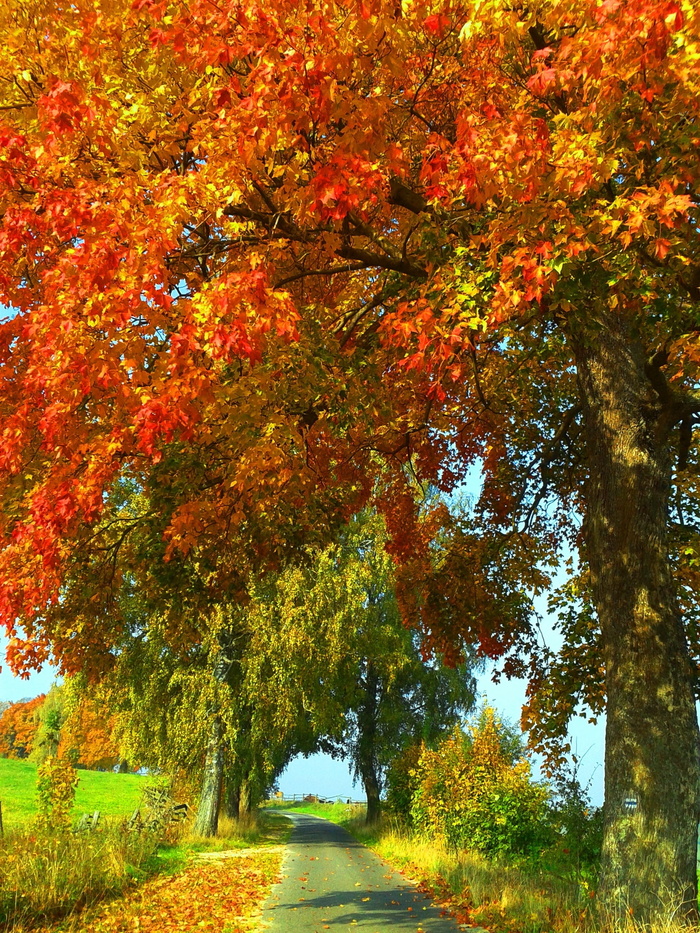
(372, 792)
(652, 770)
(207, 820)
(246, 798)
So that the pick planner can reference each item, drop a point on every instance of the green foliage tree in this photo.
(52, 715)
(329, 634)
(186, 712)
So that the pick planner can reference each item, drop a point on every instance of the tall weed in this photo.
(47, 873)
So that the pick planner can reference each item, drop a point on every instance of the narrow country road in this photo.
(330, 881)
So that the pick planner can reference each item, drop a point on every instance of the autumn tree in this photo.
(168, 631)
(18, 726)
(87, 735)
(480, 220)
(62, 723)
(474, 788)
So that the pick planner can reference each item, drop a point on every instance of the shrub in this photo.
(55, 786)
(402, 783)
(475, 790)
(578, 829)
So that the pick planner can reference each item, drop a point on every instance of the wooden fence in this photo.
(313, 798)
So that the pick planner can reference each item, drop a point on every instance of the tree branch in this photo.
(363, 257)
(544, 459)
(334, 270)
(374, 260)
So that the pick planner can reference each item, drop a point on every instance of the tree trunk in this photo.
(652, 770)
(207, 821)
(366, 744)
(233, 798)
(246, 804)
(372, 791)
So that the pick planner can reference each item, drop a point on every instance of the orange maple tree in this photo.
(18, 726)
(86, 733)
(87, 736)
(250, 252)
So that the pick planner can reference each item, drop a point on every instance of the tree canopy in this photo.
(251, 253)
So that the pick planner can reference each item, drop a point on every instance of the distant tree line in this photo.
(63, 722)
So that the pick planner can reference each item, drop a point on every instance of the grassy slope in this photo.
(111, 794)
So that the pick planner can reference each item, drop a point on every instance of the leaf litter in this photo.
(208, 896)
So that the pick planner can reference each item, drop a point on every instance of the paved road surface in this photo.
(330, 881)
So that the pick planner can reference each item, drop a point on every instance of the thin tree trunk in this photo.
(652, 770)
(207, 821)
(233, 798)
(366, 744)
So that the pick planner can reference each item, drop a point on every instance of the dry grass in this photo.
(501, 896)
(45, 876)
(260, 828)
(49, 874)
(497, 895)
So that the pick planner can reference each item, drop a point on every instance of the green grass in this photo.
(111, 794)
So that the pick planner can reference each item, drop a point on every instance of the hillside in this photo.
(111, 794)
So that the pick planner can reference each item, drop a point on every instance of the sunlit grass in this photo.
(502, 896)
(258, 829)
(114, 795)
(337, 812)
(46, 874)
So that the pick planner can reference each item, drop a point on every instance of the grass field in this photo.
(111, 794)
